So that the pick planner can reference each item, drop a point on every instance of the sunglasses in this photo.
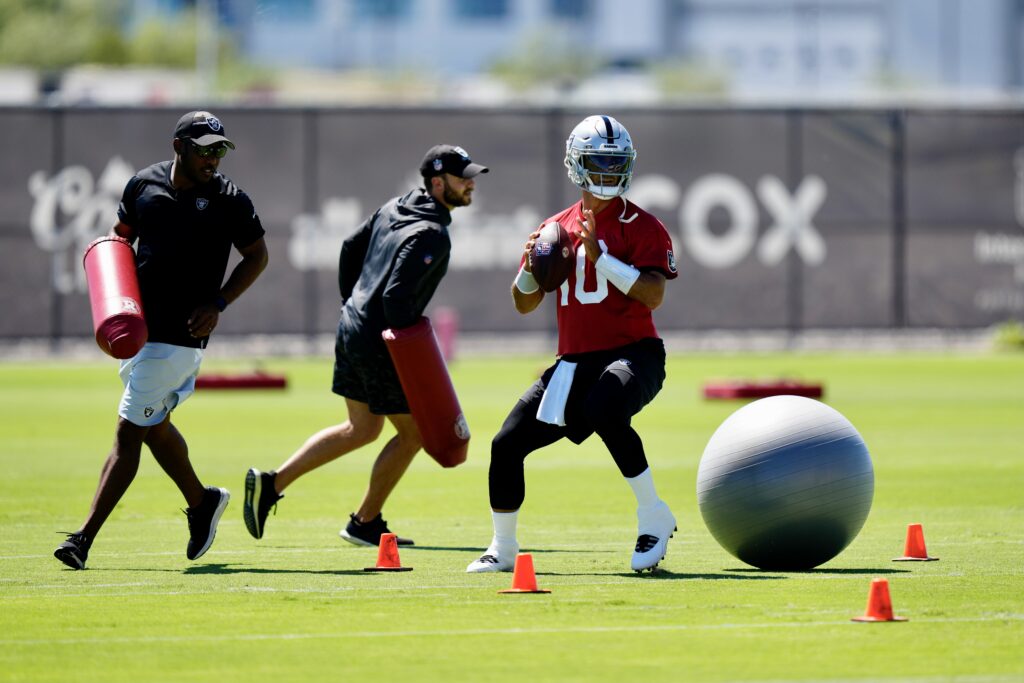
(210, 151)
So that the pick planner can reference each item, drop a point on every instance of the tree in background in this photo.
(55, 35)
(544, 61)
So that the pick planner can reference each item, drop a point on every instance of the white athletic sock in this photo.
(505, 528)
(643, 488)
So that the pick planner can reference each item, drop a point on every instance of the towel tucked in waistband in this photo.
(552, 404)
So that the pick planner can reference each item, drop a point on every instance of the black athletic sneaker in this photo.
(202, 521)
(260, 497)
(74, 551)
(368, 533)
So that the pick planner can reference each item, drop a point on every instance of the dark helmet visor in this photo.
(606, 163)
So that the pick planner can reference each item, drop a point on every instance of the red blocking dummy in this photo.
(114, 297)
(429, 391)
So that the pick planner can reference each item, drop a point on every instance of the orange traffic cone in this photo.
(879, 604)
(523, 578)
(914, 549)
(387, 556)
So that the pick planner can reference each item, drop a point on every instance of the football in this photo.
(552, 257)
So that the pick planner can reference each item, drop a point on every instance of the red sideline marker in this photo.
(754, 389)
(249, 380)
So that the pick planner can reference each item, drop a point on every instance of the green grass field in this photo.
(946, 433)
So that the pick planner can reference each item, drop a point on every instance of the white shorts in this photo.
(156, 381)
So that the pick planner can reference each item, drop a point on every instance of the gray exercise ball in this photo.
(785, 483)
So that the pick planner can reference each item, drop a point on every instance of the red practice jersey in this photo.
(594, 315)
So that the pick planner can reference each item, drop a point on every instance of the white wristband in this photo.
(525, 282)
(620, 274)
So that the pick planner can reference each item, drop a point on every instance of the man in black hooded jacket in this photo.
(388, 271)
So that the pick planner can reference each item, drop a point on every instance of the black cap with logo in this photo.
(203, 128)
(449, 159)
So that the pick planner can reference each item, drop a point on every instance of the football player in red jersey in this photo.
(611, 362)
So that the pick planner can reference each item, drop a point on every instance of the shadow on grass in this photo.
(665, 575)
(238, 568)
(480, 549)
(851, 571)
(225, 569)
(241, 569)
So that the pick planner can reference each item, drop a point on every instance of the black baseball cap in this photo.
(203, 128)
(449, 159)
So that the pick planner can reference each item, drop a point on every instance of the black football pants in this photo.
(608, 389)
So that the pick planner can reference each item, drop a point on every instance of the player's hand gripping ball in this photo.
(552, 257)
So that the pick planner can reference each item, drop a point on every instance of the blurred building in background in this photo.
(820, 164)
(778, 48)
(538, 51)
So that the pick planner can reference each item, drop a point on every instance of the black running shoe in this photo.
(368, 533)
(74, 551)
(202, 521)
(260, 497)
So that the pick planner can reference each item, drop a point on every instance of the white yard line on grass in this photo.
(62, 586)
(447, 633)
(337, 590)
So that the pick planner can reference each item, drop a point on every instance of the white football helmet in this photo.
(599, 155)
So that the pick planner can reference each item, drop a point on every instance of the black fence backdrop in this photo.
(781, 218)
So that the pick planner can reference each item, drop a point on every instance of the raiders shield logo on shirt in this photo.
(202, 203)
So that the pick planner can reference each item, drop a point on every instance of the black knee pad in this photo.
(626, 447)
(505, 477)
(609, 404)
(505, 448)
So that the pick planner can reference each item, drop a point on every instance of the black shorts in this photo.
(640, 368)
(364, 372)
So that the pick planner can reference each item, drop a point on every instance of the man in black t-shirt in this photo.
(186, 218)
(388, 271)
